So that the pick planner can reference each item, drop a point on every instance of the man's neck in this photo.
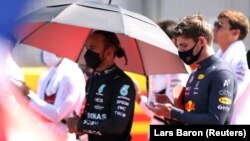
(105, 66)
(225, 46)
(208, 51)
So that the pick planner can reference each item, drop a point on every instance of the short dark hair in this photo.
(168, 27)
(111, 40)
(193, 27)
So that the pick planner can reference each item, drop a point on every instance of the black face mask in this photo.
(92, 59)
(188, 57)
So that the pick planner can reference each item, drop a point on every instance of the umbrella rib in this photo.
(34, 31)
(137, 18)
(144, 71)
(125, 32)
(83, 47)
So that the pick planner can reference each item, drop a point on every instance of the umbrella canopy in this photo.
(63, 29)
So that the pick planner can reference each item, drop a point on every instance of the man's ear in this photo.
(236, 33)
(203, 41)
(110, 52)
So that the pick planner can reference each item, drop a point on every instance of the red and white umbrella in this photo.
(63, 29)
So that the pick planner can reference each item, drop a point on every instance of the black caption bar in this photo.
(200, 132)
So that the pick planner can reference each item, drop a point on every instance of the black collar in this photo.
(106, 71)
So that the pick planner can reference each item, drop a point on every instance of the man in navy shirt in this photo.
(211, 88)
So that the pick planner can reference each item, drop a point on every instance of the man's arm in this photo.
(242, 75)
(67, 96)
(220, 102)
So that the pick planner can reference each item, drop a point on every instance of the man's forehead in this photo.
(95, 41)
(183, 39)
(96, 37)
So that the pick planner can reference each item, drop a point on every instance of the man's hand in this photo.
(162, 98)
(161, 109)
(138, 98)
(72, 123)
(19, 86)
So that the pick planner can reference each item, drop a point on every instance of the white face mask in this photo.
(50, 59)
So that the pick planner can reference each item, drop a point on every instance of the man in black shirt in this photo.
(109, 108)
(211, 88)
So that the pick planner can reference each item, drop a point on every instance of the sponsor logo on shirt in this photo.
(225, 92)
(190, 106)
(124, 98)
(225, 100)
(99, 100)
(196, 88)
(98, 107)
(201, 76)
(191, 79)
(187, 90)
(92, 132)
(101, 88)
(226, 83)
(90, 122)
(223, 107)
(96, 116)
(125, 103)
(197, 85)
(122, 108)
(124, 90)
(120, 113)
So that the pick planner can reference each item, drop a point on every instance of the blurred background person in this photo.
(9, 70)
(60, 93)
(9, 104)
(162, 84)
(229, 32)
(17, 122)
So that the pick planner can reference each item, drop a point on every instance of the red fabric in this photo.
(179, 93)
(133, 55)
(64, 40)
(181, 98)
(2, 125)
(50, 99)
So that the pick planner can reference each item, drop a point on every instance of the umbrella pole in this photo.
(147, 85)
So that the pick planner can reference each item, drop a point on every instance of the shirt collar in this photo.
(106, 71)
(207, 62)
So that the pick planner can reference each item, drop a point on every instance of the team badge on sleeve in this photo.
(124, 90)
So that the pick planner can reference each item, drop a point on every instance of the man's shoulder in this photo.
(222, 65)
(121, 77)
